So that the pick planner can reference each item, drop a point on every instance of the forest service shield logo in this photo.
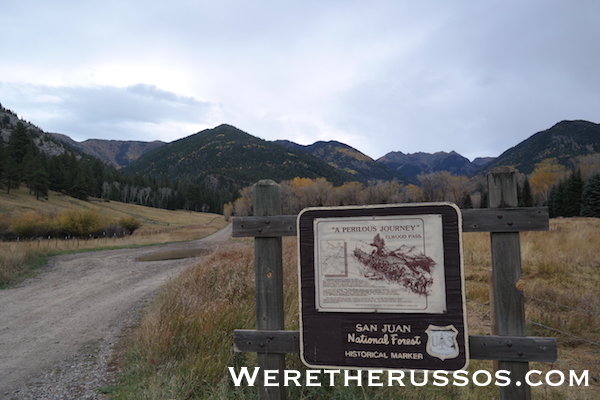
(441, 341)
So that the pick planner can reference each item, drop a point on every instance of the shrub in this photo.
(74, 223)
(32, 225)
(4, 226)
(130, 223)
(80, 223)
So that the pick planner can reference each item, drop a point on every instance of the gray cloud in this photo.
(105, 111)
(475, 77)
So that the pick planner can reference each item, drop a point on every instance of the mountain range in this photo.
(343, 157)
(414, 164)
(226, 151)
(226, 156)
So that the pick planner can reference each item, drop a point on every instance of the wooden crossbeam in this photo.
(504, 348)
(474, 220)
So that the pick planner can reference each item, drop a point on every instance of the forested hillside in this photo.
(31, 157)
(225, 154)
(213, 170)
(222, 160)
(565, 141)
(23, 162)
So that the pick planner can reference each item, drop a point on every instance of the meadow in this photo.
(19, 257)
(182, 346)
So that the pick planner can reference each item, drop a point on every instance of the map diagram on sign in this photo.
(334, 258)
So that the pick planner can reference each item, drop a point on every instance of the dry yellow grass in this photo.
(19, 202)
(184, 342)
(561, 280)
(159, 226)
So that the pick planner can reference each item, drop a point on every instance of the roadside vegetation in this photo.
(183, 344)
(32, 230)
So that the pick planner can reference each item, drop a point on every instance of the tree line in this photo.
(300, 193)
(566, 192)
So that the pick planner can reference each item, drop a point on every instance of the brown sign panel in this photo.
(382, 287)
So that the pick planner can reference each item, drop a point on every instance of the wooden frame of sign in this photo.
(382, 287)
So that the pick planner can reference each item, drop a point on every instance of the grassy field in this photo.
(183, 344)
(19, 258)
(19, 202)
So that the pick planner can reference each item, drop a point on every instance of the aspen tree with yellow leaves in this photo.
(544, 176)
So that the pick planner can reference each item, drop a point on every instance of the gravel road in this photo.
(57, 329)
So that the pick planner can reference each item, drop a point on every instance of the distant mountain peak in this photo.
(564, 141)
(233, 158)
(118, 153)
(348, 159)
(424, 163)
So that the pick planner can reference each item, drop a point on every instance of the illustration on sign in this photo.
(380, 264)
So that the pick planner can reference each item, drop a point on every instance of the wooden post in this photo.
(269, 285)
(508, 301)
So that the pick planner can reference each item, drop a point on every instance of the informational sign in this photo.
(382, 287)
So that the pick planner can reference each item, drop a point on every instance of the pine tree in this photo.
(2, 161)
(556, 200)
(20, 144)
(36, 176)
(526, 199)
(565, 197)
(466, 202)
(483, 202)
(12, 175)
(590, 205)
(573, 193)
(80, 188)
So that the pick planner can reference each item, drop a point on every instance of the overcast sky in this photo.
(477, 77)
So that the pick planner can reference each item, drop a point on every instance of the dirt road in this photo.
(78, 299)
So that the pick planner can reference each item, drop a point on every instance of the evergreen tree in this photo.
(12, 175)
(565, 197)
(556, 200)
(55, 173)
(526, 199)
(590, 205)
(70, 168)
(80, 188)
(483, 203)
(466, 202)
(114, 192)
(572, 194)
(36, 175)
(20, 144)
(86, 169)
(2, 161)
